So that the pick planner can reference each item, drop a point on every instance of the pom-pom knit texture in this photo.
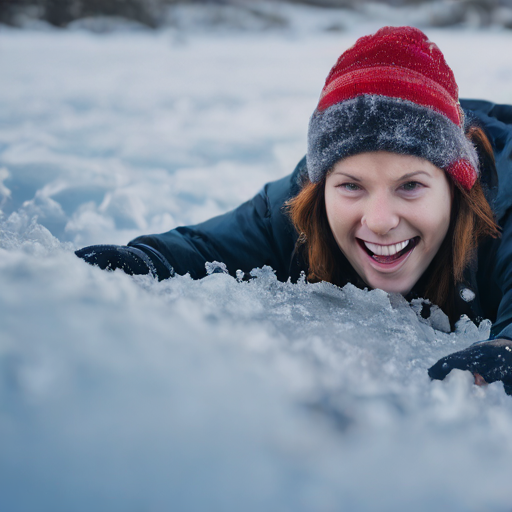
(391, 91)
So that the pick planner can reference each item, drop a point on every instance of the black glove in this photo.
(492, 360)
(132, 260)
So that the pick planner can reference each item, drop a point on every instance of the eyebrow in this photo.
(347, 175)
(412, 174)
(404, 177)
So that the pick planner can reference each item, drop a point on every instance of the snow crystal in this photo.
(467, 294)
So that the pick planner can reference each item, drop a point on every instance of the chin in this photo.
(391, 286)
(394, 289)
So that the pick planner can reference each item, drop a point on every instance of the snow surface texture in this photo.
(121, 393)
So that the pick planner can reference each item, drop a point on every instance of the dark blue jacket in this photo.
(259, 233)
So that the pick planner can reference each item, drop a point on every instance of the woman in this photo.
(394, 193)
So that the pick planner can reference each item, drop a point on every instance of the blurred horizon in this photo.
(107, 15)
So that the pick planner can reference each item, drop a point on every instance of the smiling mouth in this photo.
(388, 253)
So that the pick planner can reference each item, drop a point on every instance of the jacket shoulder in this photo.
(496, 120)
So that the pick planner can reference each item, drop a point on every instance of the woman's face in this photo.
(389, 214)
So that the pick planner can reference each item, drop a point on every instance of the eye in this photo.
(411, 186)
(350, 187)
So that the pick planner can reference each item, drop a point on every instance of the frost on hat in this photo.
(391, 91)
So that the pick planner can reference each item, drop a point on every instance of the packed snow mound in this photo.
(123, 393)
(226, 394)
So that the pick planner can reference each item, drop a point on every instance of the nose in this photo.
(381, 214)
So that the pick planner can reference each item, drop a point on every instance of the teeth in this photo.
(386, 250)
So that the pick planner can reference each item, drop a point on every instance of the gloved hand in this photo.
(491, 360)
(130, 259)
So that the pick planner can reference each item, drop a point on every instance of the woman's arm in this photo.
(491, 360)
(255, 234)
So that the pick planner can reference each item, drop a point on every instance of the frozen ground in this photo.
(120, 393)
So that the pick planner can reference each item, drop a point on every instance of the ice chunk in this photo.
(215, 267)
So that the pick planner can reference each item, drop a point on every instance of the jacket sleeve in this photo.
(502, 327)
(255, 234)
(497, 122)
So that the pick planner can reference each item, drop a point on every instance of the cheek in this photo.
(340, 216)
(434, 222)
(441, 228)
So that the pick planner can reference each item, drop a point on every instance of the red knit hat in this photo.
(391, 91)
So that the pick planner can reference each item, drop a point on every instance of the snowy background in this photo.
(125, 394)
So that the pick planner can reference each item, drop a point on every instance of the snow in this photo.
(120, 393)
